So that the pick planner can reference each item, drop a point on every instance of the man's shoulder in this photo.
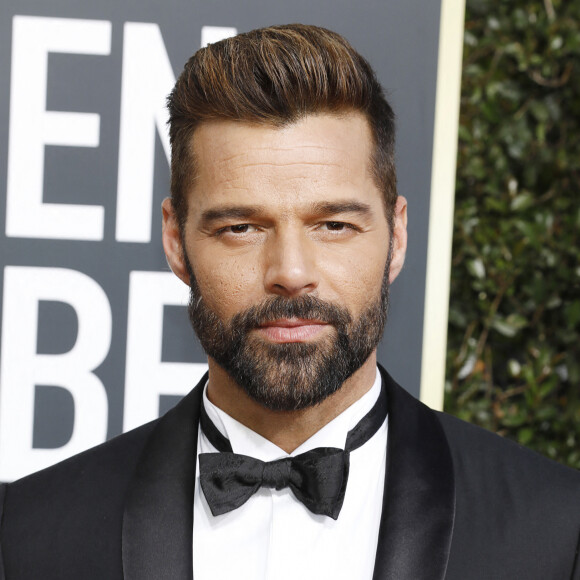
(492, 471)
(76, 503)
(96, 477)
(70, 516)
(111, 459)
(114, 460)
(473, 447)
(510, 500)
(476, 453)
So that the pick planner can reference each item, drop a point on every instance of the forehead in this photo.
(316, 154)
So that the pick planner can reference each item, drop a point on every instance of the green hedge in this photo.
(514, 324)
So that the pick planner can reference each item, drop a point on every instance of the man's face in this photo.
(286, 247)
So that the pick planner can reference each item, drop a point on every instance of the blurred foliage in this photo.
(514, 324)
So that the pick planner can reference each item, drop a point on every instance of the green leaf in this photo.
(522, 201)
(476, 268)
(503, 327)
(525, 435)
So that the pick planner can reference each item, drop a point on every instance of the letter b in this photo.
(22, 368)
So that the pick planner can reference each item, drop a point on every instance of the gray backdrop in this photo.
(90, 344)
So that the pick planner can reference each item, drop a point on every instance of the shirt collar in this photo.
(247, 442)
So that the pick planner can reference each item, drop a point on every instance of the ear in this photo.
(172, 245)
(399, 238)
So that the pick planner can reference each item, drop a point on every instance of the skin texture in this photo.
(285, 212)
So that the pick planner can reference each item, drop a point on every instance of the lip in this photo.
(291, 330)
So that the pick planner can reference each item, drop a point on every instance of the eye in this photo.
(239, 228)
(236, 229)
(335, 226)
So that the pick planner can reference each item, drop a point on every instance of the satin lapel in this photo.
(158, 518)
(419, 499)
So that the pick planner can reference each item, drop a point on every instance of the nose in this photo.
(290, 265)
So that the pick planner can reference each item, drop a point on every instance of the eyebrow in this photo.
(231, 212)
(321, 208)
(326, 208)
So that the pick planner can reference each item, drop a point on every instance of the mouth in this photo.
(291, 330)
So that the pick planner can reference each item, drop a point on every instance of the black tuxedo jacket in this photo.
(460, 503)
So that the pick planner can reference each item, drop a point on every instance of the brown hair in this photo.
(276, 76)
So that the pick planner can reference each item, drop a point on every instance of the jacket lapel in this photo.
(158, 517)
(419, 499)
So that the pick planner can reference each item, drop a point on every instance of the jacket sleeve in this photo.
(575, 568)
(2, 496)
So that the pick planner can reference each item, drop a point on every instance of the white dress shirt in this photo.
(275, 537)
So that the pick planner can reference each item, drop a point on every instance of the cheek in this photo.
(228, 287)
(357, 281)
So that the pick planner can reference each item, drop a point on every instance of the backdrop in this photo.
(94, 333)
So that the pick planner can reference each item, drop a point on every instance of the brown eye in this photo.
(239, 229)
(335, 226)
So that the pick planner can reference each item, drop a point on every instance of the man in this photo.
(296, 457)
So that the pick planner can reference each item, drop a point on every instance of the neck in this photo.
(286, 429)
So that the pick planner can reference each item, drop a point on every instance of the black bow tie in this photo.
(317, 478)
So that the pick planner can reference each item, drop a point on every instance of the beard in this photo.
(297, 375)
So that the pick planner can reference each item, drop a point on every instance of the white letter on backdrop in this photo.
(146, 377)
(210, 34)
(22, 368)
(32, 127)
(147, 80)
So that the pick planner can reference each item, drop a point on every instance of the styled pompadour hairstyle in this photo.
(276, 76)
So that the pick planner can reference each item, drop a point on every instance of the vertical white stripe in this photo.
(442, 202)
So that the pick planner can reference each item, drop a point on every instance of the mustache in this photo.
(304, 307)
